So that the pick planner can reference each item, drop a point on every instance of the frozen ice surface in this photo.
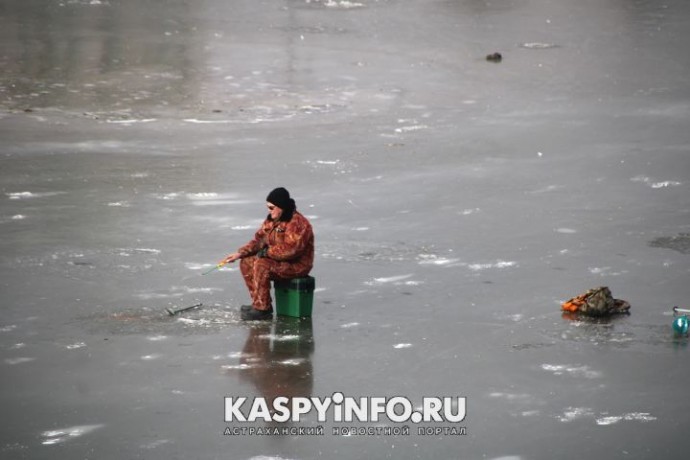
(455, 203)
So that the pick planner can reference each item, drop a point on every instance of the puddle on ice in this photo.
(157, 324)
(65, 434)
(680, 243)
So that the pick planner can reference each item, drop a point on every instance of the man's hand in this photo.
(231, 258)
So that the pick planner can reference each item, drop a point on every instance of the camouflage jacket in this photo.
(291, 241)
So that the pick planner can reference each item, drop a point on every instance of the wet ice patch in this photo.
(8, 328)
(75, 346)
(177, 292)
(65, 434)
(680, 243)
(575, 371)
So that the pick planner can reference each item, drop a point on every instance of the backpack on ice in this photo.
(596, 302)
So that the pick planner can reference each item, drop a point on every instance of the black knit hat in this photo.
(280, 197)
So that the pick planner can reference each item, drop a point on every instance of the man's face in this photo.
(275, 211)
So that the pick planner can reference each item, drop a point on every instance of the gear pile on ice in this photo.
(596, 302)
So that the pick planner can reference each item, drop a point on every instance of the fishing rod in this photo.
(219, 265)
(213, 268)
(173, 311)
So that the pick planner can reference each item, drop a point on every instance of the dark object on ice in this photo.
(173, 312)
(680, 243)
(257, 315)
(494, 57)
(596, 302)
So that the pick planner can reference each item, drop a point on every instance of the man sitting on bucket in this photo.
(282, 248)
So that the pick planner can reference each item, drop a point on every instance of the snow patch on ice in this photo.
(391, 279)
(20, 360)
(344, 4)
(497, 264)
(567, 231)
(75, 346)
(431, 259)
(65, 434)
(523, 397)
(653, 184)
(575, 371)
(29, 195)
(349, 325)
(280, 338)
(156, 338)
(603, 419)
(574, 413)
(154, 444)
(402, 345)
(633, 416)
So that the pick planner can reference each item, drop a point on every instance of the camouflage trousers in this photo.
(258, 273)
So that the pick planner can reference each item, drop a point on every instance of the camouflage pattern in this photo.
(596, 302)
(279, 250)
